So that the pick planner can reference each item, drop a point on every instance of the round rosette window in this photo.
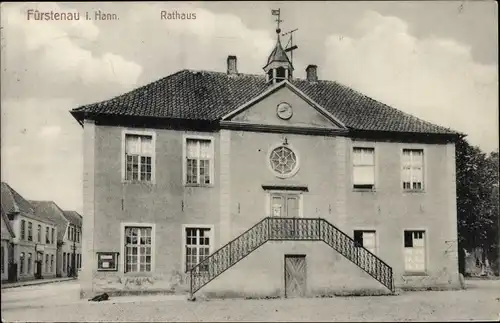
(283, 161)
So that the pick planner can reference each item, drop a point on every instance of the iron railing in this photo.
(286, 229)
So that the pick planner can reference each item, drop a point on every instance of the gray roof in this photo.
(208, 96)
(49, 209)
(73, 217)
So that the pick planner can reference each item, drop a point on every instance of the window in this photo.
(197, 247)
(363, 175)
(30, 231)
(64, 262)
(2, 259)
(52, 235)
(284, 161)
(138, 249)
(46, 263)
(23, 228)
(29, 262)
(39, 233)
(77, 235)
(413, 165)
(366, 239)
(138, 157)
(69, 233)
(21, 263)
(414, 251)
(51, 263)
(47, 235)
(199, 161)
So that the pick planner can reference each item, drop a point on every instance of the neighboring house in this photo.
(315, 187)
(7, 252)
(72, 247)
(35, 237)
(51, 210)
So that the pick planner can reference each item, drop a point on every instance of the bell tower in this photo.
(278, 67)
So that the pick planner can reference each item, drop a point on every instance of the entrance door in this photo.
(285, 205)
(295, 275)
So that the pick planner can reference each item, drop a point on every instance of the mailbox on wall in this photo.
(107, 261)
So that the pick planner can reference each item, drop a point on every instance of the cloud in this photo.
(419, 76)
(50, 57)
(50, 131)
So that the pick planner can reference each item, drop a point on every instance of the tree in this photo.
(477, 200)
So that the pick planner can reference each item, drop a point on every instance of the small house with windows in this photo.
(232, 184)
(7, 253)
(34, 244)
(68, 258)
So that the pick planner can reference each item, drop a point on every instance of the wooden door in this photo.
(295, 275)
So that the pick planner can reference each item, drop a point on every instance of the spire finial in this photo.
(276, 12)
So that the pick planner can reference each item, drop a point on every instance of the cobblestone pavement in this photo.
(481, 301)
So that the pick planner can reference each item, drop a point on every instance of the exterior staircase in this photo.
(288, 229)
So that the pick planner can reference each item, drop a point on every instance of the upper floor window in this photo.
(30, 231)
(53, 235)
(47, 235)
(39, 233)
(363, 175)
(69, 233)
(23, 229)
(413, 169)
(139, 151)
(199, 161)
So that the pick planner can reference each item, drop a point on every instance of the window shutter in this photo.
(205, 151)
(191, 149)
(363, 175)
(132, 145)
(146, 145)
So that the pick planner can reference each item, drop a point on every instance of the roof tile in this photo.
(208, 96)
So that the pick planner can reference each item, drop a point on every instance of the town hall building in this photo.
(235, 185)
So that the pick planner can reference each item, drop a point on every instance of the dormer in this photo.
(278, 67)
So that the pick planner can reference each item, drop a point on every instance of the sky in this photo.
(435, 60)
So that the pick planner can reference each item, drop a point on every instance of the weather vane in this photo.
(290, 47)
(276, 12)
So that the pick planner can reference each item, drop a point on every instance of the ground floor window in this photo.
(46, 263)
(366, 239)
(29, 262)
(51, 263)
(414, 243)
(138, 249)
(3, 259)
(64, 262)
(198, 242)
(21, 263)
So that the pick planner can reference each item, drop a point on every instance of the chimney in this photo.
(312, 74)
(232, 69)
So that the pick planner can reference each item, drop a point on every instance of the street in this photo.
(60, 302)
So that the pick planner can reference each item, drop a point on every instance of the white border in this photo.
(122, 246)
(185, 137)
(268, 160)
(211, 247)
(147, 132)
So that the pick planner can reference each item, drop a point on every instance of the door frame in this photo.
(304, 256)
(267, 203)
